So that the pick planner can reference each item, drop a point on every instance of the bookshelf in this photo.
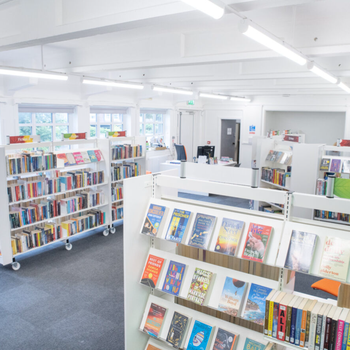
(116, 203)
(162, 189)
(92, 199)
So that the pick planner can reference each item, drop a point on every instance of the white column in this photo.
(81, 119)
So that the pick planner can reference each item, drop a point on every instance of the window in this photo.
(152, 126)
(100, 123)
(49, 126)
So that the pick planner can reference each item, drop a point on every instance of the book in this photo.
(92, 156)
(292, 313)
(62, 160)
(303, 311)
(256, 242)
(298, 321)
(225, 340)
(152, 271)
(340, 329)
(229, 236)
(70, 159)
(324, 325)
(251, 344)
(267, 308)
(346, 340)
(153, 220)
(202, 230)
(178, 225)
(313, 324)
(200, 336)
(177, 330)
(346, 167)
(271, 310)
(232, 296)
(310, 307)
(335, 258)
(327, 335)
(334, 328)
(78, 158)
(199, 286)
(154, 321)
(335, 166)
(300, 251)
(275, 313)
(86, 157)
(173, 278)
(256, 303)
(319, 324)
(99, 155)
(282, 316)
(293, 321)
(152, 347)
(325, 162)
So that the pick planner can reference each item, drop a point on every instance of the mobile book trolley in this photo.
(161, 190)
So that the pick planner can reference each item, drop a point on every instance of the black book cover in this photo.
(177, 329)
(332, 338)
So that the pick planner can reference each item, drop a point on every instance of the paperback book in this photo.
(251, 344)
(199, 286)
(178, 225)
(154, 320)
(202, 230)
(300, 252)
(335, 166)
(256, 243)
(152, 271)
(325, 162)
(335, 258)
(255, 306)
(200, 336)
(153, 220)
(177, 330)
(229, 236)
(78, 158)
(232, 296)
(92, 156)
(346, 167)
(173, 278)
(152, 347)
(225, 340)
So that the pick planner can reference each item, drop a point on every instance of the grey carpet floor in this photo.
(65, 299)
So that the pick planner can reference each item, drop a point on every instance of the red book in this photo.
(282, 316)
(152, 271)
(78, 158)
(98, 155)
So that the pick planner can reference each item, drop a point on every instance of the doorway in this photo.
(230, 138)
(186, 133)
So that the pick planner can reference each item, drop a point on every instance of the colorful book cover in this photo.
(335, 166)
(99, 155)
(232, 296)
(173, 278)
(325, 162)
(152, 271)
(200, 336)
(154, 320)
(178, 224)
(301, 251)
(335, 258)
(202, 230)
(86, 157)
(224, 340)
(78, 158)
(153, 220)
(256, 243)
(152, 347)
(92, 156)
(229, 236)
(177, 330)
(199, 286)
(255, 307)
(251, 344)
(62, 160)
(70, 158)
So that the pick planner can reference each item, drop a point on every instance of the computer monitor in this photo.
(207, 151)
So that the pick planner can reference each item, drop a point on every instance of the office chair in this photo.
(181, 152)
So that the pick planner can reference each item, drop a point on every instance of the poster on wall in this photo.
(252, 129)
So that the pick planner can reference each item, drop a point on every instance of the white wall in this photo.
(318, 127)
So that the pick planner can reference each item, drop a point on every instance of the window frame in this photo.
(97, 124)
(154, 123)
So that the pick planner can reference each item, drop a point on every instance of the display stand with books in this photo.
(55, 190)
(201, 259)
(128, 159)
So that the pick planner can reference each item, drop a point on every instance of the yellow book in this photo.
(14, 246)
(269, 330)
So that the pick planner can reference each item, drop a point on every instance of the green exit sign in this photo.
(190, 103)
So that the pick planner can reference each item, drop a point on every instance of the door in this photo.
(230, 139)
(186, 133)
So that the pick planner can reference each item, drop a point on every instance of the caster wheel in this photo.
(106, 232)
(16, 266)
(69, 246)
(112, 230)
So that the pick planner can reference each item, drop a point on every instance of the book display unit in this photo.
(55, 190)
(128, 159)
(220, 287)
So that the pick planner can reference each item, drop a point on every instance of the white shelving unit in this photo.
(7, 256)
(162, 189)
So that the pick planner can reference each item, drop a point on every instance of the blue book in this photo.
(298, 326)
(178, 225)
(345, 335)
(153, 220)
(92, 156)
(255, 306)
(293, 325)
(200, 336)
(202, 230)
(174, 277)
(251, 344)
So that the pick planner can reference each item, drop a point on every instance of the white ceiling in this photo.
(167, 42)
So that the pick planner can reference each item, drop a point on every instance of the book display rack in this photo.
(177, 261)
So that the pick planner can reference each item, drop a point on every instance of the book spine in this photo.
(323, 331)
(327, 333)
(303, 328)
(312, 335)
(298, 327)
(318, 332)
(288, 322)
(345, 336)
(281, 322)
(340, 333)
(275, 319)
(348, 342)
(266, 324)
(292, 325)
(307, 329)
(332, 338)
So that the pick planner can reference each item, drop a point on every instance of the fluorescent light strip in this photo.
(212, 8)
(113, 83)
(172, 90)
(344, 87)
(214, 96)
(32, 73)
(263, 37)
(322, 73)
(235, 98)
